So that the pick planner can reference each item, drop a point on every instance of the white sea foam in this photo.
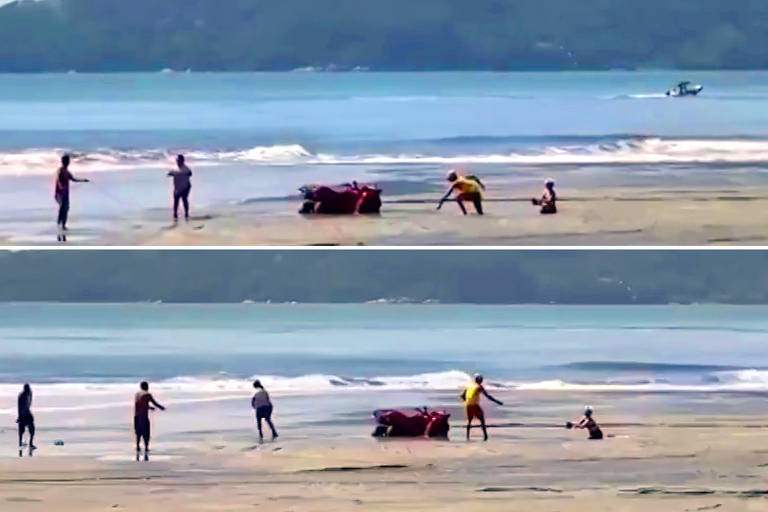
(79, 396)
(625, 151)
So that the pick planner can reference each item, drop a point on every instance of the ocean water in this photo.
(308, 349)
(252, 136)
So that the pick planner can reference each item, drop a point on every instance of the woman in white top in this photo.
(263, 406)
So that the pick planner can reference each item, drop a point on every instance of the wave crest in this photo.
(633, 150)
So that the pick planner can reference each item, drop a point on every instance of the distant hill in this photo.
(130, 35)
(483, 277)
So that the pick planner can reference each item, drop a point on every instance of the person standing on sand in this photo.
(25, 419)
(181, 187)
(61, 195)
(263, 407)
(548, 201)
(468, 188)
(471, 397)
(142, 404)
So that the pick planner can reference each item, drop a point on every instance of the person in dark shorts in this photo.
(471, 398)
(25, 419)
(142, 404)
(61, 195)
(263, 406)
(589, 423)
(181, 187)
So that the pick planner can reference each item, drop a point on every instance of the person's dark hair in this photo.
(27, 389)
(144, 385)
(65, 160)
(257, 384)
(180, 159)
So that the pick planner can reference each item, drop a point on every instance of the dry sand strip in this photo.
(713, 217)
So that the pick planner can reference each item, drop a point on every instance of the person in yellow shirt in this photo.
(471, 398)
(468, 188)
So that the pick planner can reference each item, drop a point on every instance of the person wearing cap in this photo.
(262, 404)
(589, 423)
(548, 201)
(467, 188)
(471, 397)
(61, 195)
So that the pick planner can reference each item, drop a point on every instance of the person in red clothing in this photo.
(61, 195)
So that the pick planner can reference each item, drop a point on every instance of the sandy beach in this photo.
(605, 217)
(678, 458)
(611, 217)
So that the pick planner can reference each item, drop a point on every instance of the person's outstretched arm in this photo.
(445, 198)
(489, 397)
(154, 402)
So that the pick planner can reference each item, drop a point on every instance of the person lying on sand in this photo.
(141, 408)
(589, 423)
(263, 407)
(471, 398)
(61, 195)
(468, 188)
(548, 201)
(25, 419)
(181, 187)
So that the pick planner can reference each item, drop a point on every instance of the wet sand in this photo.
(636, 217)
(670, 461)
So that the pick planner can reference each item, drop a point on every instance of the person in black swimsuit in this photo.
(25, 419)
(589, 423)
(548, 201)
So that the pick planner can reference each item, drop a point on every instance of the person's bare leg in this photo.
(261, 434)
(146, 447)
(461, 205)
(32, 438)
(469, 427)
(479, 206)
(485, 430)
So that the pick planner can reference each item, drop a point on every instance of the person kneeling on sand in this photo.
(263, 406)
(471, 398)
(589, 423)
(548, 201)
(141, 408)
(468, 188)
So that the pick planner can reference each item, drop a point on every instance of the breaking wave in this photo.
(634, 150)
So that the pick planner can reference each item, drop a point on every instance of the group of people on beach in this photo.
(182, 186)
(469, 188)
(471, 398)
(144, 402)
(465, 188)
